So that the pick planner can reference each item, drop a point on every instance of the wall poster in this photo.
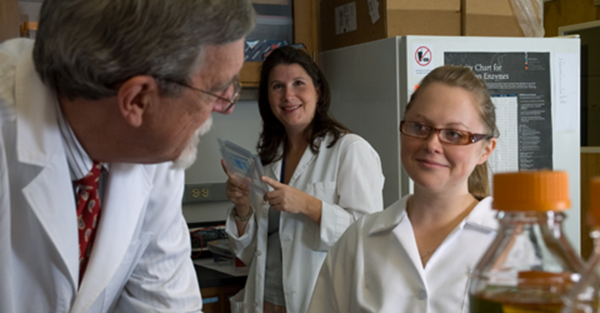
(519, 84)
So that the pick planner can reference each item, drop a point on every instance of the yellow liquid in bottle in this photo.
(482, 305)
(536, 292)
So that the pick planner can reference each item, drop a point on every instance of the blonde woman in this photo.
(416, 255)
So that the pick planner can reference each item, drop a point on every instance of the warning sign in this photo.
(423, 56)
(422, 59)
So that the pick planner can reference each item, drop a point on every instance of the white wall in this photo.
(242, 127)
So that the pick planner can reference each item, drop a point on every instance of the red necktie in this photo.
(88, 208)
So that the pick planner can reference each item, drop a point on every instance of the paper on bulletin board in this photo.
(374, 10)
(345, 18)
(566, 91)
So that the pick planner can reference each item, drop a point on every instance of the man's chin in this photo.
(189, 154)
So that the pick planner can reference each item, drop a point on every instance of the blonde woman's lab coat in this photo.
(376, 266)
(347, 178)
(140, 260)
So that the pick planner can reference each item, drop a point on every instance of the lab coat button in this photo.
(256, 304)
(422, 295)
(258, 253)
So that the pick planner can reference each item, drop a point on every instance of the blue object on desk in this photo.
(210, 300)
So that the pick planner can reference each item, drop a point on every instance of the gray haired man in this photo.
(116, 93)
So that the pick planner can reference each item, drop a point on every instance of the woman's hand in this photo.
(289, 199)
(237, 192)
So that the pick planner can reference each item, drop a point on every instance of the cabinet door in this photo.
(304, 17)
(9, 19)
(306, 25)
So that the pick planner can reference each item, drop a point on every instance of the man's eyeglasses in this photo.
(230, 102)
(445, 135)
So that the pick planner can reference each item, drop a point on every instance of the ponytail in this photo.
(479, 184)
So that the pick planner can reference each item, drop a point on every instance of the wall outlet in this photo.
(211, 192)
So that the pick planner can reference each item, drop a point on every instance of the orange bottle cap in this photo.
(594, 208)
(531, 191)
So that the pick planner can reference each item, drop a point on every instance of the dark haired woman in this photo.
(417, 255)
(323, 178)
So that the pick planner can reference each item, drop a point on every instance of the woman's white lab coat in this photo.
(376, 267)
(347, 178)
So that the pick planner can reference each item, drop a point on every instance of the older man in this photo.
(98, 118)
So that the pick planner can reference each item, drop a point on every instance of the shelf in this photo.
(590, 149)
(250, 74)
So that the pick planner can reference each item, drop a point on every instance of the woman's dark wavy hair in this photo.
(273, 132)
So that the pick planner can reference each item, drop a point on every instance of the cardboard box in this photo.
(350, 22)
(490, 18)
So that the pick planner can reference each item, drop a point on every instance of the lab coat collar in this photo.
(39, 144)
(276, 166)
(38, 134)
(394, 219)
(389, 218)
(307, 158)
(481, 218)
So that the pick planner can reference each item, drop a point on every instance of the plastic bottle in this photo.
(530, 266)
(585, 294)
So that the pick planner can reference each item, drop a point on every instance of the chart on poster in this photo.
(521, 78)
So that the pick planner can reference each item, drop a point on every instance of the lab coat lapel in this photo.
(39, 145)
(51, 198)
(276, 166)
(276, 169)
(395, 219)
(405, 234)
(307, 158)
(127, 191)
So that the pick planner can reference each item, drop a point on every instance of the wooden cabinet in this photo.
(216, 299)
(305, 17)
(9, 19)
(590, 167)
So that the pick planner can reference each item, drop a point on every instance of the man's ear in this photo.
(135, 97)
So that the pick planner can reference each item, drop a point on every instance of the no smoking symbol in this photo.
(423, 56)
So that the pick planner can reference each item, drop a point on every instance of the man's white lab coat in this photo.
(140, 260)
